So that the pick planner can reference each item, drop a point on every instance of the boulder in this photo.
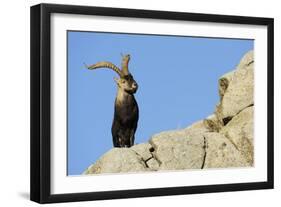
(236, 90)
(118, 160)
(178, 152)
(240, 132)
(222, 153)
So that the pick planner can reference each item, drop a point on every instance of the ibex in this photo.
(126, 111)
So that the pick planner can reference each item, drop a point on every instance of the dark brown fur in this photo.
(126, 115)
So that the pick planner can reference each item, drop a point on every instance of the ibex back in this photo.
(126, 112)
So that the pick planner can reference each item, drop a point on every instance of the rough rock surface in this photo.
(221, 153)
(222, 140)
(236, 89)
(240, 132)
(118, 160)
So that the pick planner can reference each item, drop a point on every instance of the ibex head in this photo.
(127, 84)
(126, 81)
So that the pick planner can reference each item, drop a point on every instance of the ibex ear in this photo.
(116, 79)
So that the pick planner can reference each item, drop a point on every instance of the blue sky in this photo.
(177, 78)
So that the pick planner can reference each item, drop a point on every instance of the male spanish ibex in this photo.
(126, 111)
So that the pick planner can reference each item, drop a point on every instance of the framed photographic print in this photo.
(132, 103)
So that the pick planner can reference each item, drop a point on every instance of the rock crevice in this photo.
(205, 153)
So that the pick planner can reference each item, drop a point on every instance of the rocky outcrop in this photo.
(236, 90)
(222, 140)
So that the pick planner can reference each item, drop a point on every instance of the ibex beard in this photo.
(126, 111)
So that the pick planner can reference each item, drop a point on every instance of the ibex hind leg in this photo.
(116, 142)
(128, 143)
(132, 140)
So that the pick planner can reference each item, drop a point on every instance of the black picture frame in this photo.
(41, 99)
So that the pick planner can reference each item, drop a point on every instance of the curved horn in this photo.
(125, 62)
(105, 65)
